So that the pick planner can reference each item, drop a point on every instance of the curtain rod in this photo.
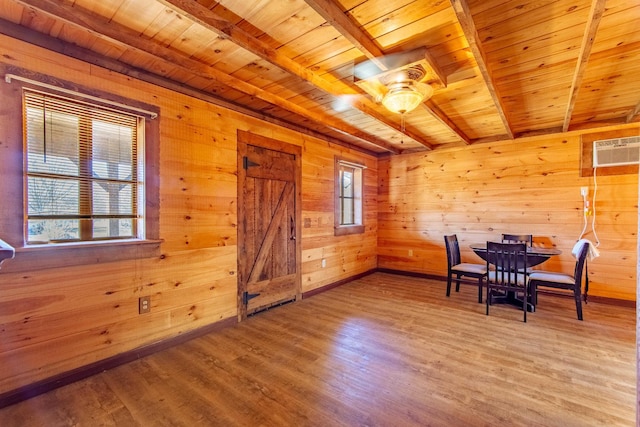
(9, 77)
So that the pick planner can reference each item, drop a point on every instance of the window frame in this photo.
(357, 227)
(88, 115)
(13, 212)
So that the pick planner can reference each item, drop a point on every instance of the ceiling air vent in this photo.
(616, 151)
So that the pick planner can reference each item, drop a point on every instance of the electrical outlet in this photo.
(324, 263)
(410, 252)
(144, 304)
(584, 191)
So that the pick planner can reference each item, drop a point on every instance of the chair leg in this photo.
(480, 284)
(576, 294)
(488, 299)
(458, 283)
(534, 294)
(525, 300)
(449, 285)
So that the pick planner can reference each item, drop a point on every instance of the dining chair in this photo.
(518, 238)
(507, 273)
(467, 273)
(548, 279)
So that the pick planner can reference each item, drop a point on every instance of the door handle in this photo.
(293, 229)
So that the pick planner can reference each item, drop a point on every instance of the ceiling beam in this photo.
(435, 67)
(195, 12)
(634, 115)
(120, 35)
(465, 19)
(437, 114)
(47, 42)
(212, 21)
(539, 132)
(332, 13)
(335, 16)
(595, 16)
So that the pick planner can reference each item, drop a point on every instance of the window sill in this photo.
(39, 257)
(344, 230)
(85, 245)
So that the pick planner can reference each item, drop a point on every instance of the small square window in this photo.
(348, 199)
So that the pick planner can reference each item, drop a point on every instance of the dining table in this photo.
(536, 255)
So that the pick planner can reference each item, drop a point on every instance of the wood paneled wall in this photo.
(529, 186)
(54, 320)
(343, 253)
(58, 319)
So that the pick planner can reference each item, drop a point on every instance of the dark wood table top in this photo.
(534, 250)
(535, 254)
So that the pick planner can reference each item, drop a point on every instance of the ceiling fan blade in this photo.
(343, 103)
(366, 70)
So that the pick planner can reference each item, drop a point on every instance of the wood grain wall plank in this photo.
(478, 192)
(58, 319)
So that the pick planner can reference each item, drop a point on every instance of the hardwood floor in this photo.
(384, 350)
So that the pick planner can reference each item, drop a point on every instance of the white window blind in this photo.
(82, 171)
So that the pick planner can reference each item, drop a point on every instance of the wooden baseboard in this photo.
(48, 384)
(336, 284)
(592, 298)
(413, 274)
(23, 393)
(612, 301)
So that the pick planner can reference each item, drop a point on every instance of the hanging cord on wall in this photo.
(590, 209)
(584, 215)
(586, 211)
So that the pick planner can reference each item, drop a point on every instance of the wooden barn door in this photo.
(269, 251)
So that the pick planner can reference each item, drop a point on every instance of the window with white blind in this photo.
(348, 197)
(83, 173)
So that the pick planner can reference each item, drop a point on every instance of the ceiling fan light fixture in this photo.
(404, 97)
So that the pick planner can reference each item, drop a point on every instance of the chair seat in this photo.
(520, 278)
(469, 268)
(464, 272)
(557, 280)
(548, 276)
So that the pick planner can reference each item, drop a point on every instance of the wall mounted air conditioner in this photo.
(616, 152)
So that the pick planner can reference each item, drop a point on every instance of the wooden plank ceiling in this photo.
(504, 69)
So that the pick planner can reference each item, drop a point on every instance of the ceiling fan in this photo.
(400, 81)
